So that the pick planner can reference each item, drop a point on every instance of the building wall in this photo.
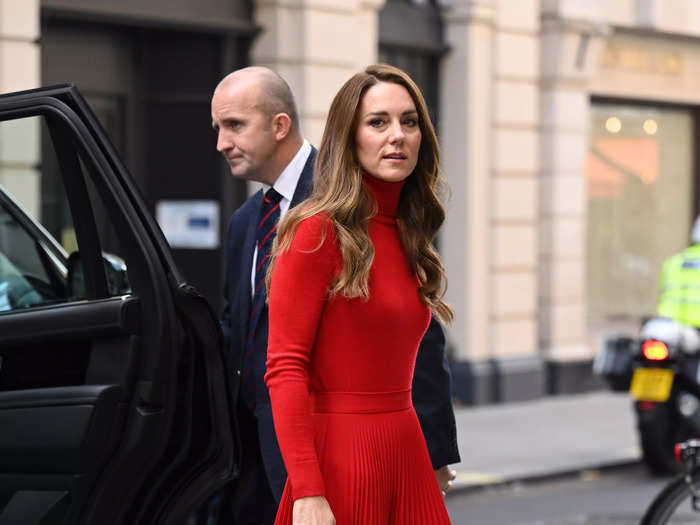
(516, 86)
(490, 134)
(19, 69)
(514, 172)
(644, 67)
(173, 13)
(516, 91)
(316, 46)
(569, 50)
(646, 50)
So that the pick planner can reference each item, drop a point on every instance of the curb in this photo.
(497, 482)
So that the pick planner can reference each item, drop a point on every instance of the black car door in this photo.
(113, 396)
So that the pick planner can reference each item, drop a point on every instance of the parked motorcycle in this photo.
(660, 370)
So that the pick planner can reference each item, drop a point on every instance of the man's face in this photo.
(245, 137)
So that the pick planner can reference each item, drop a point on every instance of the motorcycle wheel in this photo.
(657, 442)
(673, 504)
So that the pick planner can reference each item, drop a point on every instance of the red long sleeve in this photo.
(320, 346)
(298, 292)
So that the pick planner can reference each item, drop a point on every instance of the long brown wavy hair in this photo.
(338, 192)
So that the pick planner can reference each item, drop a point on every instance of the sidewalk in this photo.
(545, 437)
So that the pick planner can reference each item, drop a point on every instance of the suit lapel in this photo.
(306, 180)
(302, 191)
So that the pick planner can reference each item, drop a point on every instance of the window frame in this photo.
(68, 153)
(51, 256)
(694, 112)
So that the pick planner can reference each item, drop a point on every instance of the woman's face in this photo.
(388, 136)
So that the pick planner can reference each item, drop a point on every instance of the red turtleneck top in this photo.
(322, 344)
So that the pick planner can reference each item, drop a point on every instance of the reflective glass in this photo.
(640, 204)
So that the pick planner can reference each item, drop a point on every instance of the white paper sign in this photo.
(189, 224)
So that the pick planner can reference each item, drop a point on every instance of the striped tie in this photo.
(267, 226)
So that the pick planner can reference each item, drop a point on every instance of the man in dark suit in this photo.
(254, 113)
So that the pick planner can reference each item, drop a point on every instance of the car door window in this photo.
(29, 275)
(40, 260)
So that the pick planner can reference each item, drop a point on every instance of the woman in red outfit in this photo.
(354, 280)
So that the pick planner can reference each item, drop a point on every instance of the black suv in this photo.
(114, 405)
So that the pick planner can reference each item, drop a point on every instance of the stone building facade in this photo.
(529, 94)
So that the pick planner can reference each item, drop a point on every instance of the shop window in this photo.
(640, 176)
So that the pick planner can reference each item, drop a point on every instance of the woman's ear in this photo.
(281, 125)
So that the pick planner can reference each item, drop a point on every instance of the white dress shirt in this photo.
(285, 185)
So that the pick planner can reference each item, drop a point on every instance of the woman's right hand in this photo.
(313, 510)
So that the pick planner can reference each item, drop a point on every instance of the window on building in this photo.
(640, 176)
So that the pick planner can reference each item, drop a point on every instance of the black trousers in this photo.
(248, 499)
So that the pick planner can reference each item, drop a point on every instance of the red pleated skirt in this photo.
(374, 461)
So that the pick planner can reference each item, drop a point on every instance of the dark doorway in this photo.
(411, 38)
(150, 88)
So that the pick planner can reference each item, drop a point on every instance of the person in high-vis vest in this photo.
(679, 283)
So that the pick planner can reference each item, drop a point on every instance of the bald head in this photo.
(253, 113)
(268, 91)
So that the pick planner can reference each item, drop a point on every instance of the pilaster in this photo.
(514, 173)
(570, 50)
(19, 69)
(466, 141)
(316, 46)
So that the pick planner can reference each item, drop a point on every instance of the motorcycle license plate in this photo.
(651, 384)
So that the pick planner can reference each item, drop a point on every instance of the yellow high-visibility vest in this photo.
(680, 287)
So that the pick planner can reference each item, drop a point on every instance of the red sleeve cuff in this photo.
(310, 483)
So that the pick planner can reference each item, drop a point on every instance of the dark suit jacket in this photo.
(431, 383)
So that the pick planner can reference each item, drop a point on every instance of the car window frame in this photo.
(35, 228)
(67, 152)
(171, 321)
(53, 260)
(118, 193)
(80, 206)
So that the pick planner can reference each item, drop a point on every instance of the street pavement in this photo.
(548, 437)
